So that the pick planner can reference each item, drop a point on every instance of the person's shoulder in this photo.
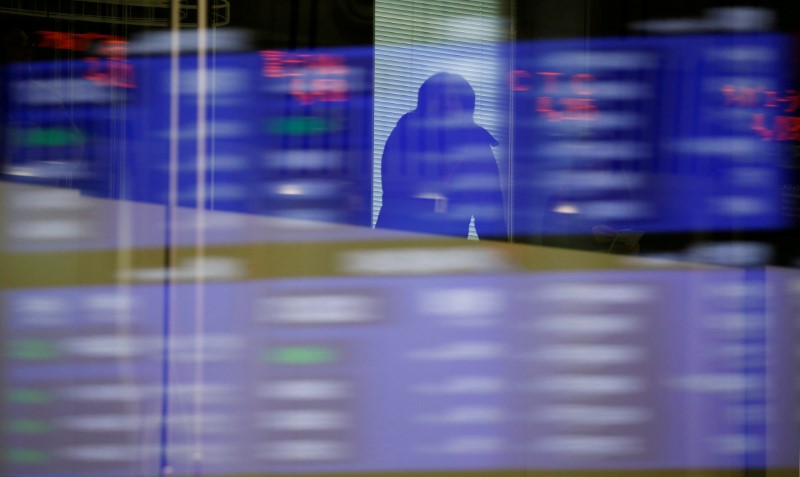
(481, 135)
(407, 124)
(407, 119)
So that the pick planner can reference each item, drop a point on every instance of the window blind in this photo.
(415, 39)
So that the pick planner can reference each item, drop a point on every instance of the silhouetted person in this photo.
(438, 167)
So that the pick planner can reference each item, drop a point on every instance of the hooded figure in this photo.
(438, 167)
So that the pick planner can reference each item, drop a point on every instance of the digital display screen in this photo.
(636, 370)
(288, 133)
(656, 134)
(661, 134)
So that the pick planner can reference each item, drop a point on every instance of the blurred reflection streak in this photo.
(467, 385)
(220, 268)
(421, 260)
(215, 347)
(318, 309)
(106, 453)
(116, 423)
(730, 383)
(593, 415)
(463, 302)
(592, 445)
(304, 451)
(49, 230)
(305, 389)
(466, 415)
(590, 385)
(317, 420)
(591, 324)
(130, 392)
(589, 355)
(597, 292)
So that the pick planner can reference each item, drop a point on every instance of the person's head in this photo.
(446, 96)
(17, 46)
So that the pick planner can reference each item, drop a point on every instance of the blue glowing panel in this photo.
(227, 152)
(604, 370)
(315, 134)
(288, 134)
(284, 134)
(654, 134)
(61, 122)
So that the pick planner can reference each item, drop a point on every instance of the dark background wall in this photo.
(588, 18)
(273, 24)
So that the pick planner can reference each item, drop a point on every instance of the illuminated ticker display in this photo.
(105, 59)
(668, 370)
(80, 42)
(316, 148)
(313, 77)
(289, 133)
(781, 125)
(580, 107)
(657, 134)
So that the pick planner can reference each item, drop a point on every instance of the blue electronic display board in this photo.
(62, 124)
(288, 134)
(226, 153)
(656, 134)
(315, 134)
(577, 371)
(285, 134)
